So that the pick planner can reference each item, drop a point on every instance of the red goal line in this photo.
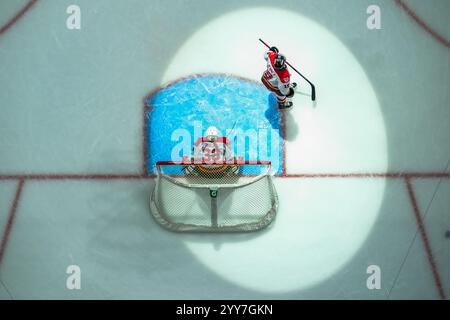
(137, 176)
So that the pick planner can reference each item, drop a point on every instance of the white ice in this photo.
(72, 101)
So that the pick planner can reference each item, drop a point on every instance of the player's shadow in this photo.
(281, 120)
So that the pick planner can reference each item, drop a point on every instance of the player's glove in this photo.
(274, 49)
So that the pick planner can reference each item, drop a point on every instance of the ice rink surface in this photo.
(365, 176)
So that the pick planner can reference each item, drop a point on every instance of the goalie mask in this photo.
(212, 133)
(279, 62)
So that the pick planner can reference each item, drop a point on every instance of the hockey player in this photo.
(277, 78)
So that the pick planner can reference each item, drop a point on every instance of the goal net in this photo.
(203, 197)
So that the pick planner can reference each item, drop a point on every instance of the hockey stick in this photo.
(313, 88)
(232, 129)
(229, 132)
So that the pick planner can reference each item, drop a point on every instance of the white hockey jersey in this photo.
(279, 80)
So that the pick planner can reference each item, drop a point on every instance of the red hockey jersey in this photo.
(278, 79)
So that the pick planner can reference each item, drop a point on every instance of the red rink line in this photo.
(18, 15)
(283, 144)
(70, 176)
(423, 24)
(388, 175)
(145, 139)
(426, 243)
(136, 176)
(10, 222)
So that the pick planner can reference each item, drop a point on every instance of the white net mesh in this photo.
(219, 197)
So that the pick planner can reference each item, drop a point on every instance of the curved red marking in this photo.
(426, 242)
(423, 24)
(17, 16)
(10, 221)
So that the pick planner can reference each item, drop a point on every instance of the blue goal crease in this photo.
(233, 105)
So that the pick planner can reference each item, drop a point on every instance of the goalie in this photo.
(277, 78)
(213, 156)
(212, 149)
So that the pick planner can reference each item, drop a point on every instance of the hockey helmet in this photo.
(279, 62)
(212, 133)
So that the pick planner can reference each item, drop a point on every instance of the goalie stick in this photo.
(313, 88)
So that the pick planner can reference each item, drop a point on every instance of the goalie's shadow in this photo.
(281, 120)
